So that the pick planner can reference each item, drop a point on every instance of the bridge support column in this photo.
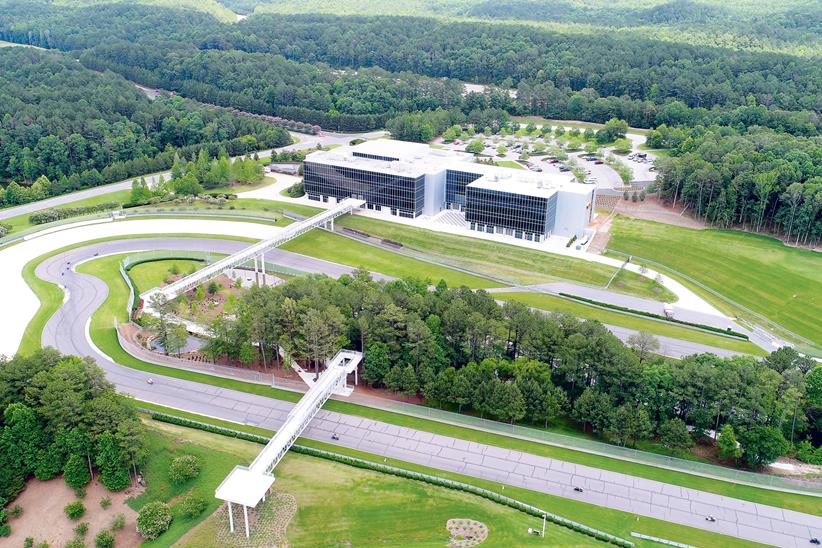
(245, 515)
(256, 272)
(262, 265)
(230, 517)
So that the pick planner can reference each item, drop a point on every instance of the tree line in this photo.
(61, 416)
(756, 179)
(78, 128)
(460, 348)
(593, 77)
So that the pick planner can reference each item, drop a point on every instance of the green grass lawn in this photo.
(21, 222)
(558, 304)
(152, 274)
(339, 249)
(376, 504)
(509, 163)
(760, 273)
(516, 265)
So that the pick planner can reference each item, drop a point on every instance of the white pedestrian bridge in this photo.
(247, 486)
(254, 252)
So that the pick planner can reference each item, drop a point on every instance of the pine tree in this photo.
(75, 473)
(110, 459)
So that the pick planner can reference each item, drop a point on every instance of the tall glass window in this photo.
(404, 195)
(455, 183)
(515, 214)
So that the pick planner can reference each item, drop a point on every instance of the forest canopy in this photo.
(78, 128)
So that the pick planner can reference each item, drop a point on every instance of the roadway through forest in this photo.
(67, 331)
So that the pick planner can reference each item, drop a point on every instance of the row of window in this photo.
(402, 194)
(517, 212)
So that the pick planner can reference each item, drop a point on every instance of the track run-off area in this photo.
(68, 332)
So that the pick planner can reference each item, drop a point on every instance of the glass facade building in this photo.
(404, 196)
(522, 216)
(455, 183)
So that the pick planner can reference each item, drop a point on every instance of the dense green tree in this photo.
(76, 471)
(761, 445)
(674, 435)
(113, 464)
(728, 446)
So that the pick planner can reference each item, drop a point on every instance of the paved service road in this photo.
(66, 331)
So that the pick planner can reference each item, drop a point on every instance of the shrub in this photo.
(104, 539)
(74, 510)
(75, 543)
(81, 529)
(16, 511)
(153, 520)
(192, 506)
(28, 543)
(118, 522)
(5, 530)
(183, 469)
(5, 228)
(105, 503)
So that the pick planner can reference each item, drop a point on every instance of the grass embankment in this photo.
(518, 265)
(558, 304)
(758, 272)
(21, 222)
(339, 249)
(365, 494)
(242, 204)
(104, 336)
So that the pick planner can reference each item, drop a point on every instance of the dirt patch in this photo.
(466, 532)
(652, 209)
(268, 524)
(43, 518)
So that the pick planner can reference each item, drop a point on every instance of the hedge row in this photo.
(729, 332)
(399, 472)
(54, 214)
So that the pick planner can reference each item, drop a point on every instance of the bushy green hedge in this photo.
(58, 214)
(399, 472)
(729, 332)
(5, 228)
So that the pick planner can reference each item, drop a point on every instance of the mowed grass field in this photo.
(339, 249)
(152, 274)
(782, 283)
(21, 222)
(516, 265)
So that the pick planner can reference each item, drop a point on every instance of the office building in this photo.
(413, 180)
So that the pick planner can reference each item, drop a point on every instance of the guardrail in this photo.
(661, 540)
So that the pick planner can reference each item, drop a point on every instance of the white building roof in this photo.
(418, 159)
(412, 159)
(242, 486)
